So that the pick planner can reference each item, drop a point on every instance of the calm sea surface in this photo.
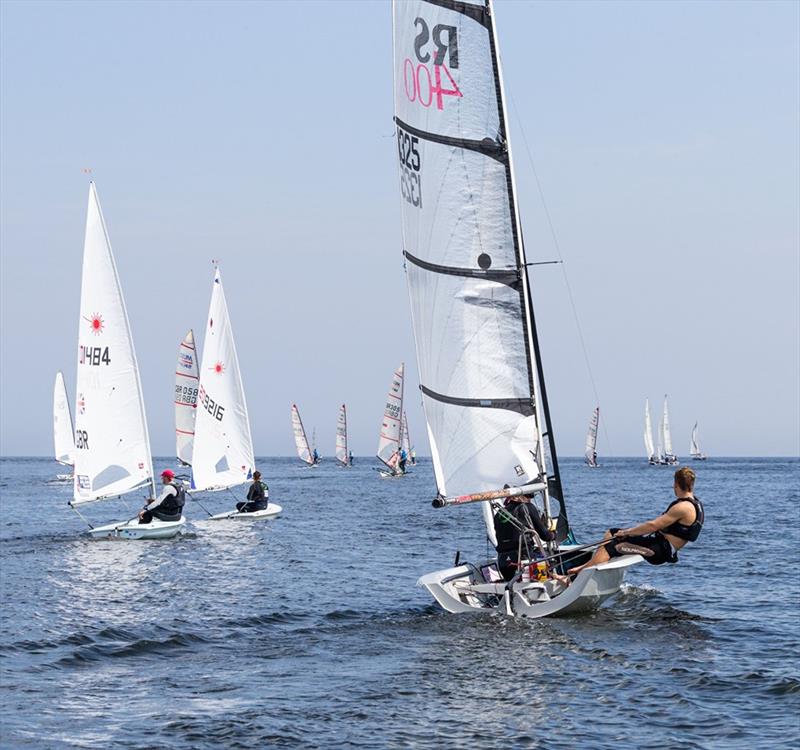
(308, 631)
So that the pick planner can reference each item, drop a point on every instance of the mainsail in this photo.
(112, 453)
(480, 372)
(667, 435)
(342, 455)
(406, 439)
(591, 438)
(694, 446)
(63, 440)
(648, 433)
(300, 439)
(186, 382)
(391, 426)
(223, 448)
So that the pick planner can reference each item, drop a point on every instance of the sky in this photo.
(660, 138)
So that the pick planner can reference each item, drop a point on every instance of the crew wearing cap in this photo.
(168, 506)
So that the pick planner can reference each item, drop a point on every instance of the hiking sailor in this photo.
(401, 463)
(659, 540)
(168, 506)
(257, 496)
(520, 518)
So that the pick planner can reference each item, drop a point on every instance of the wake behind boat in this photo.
(481, 374)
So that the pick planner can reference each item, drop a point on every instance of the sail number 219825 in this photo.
(410, 178)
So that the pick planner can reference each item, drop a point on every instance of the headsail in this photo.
(648, 433)
(342, 455)
(477, 349)
(112, 453)
(300, 439)
(391, 426)
(591, 438)
(223, 447)
(187, 378)
(63, 440)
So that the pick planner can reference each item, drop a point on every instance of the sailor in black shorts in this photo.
(657, 544)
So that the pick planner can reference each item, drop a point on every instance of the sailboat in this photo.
(669, 458)
(481, 374)
(222, 457)
(342, 453)
(63, 440)
(304, 450)
(408, 446)
(652, 458)
(694, 447)
(591, 440)
(112, 445)
(187, 378)
(391, 428)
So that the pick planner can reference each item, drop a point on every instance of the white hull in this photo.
(64, 477)
(463, 589)
(271, 511)
(390, 475)
(132, 529)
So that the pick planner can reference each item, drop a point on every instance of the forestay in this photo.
(475, 337)
(64, 443)
(223, 448)
(186, 384)
(112, 453)
(341, 437)
(300, 439)
(389, 439)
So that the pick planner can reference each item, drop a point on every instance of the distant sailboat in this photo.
(112, 455)
(669, 458)
(694, 446)
(391, 427)
(187, 378)
(342, 452)
(304, 450)
(652, 457)
(408, 446)
(223, 455)
(63, 436)
(591, 440)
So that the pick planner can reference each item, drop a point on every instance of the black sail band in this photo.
(508, 277)
(523, 406)
(494, 149)
(475, 12)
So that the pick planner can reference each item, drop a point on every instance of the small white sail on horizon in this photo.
(223, 454)
(342, 454)
(666, 435)
(591, 439)
(648, 434)
(391, 426)
(300, 440)
(694, 446)
(187, 377)
(63, 436)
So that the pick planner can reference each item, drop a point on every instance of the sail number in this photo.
(431, 45)
(94, 355)
(185, 394)
(212, 407)
(422, 86)
(410, 179)
(82, 440)
(392, 410)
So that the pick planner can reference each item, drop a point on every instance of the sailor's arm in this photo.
(167, 491)
(657, 524)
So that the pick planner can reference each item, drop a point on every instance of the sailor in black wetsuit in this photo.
(168, 506)
(659, 540)
(510, 522)
(257, 496)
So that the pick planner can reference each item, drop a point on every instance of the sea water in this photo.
(308, 631)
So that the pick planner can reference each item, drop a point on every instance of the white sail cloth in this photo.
(391, 425)
(341, 437)
(300, 439)
(63, 440)
(648, 432)
(223, 447)
(464, 260)
(591, 438)
(666, 433)
(187, 378)
(694, 445)
(112, 453)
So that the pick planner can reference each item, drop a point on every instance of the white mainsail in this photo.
(480, 375)
(187, 377)
(341, 437)
(63, 440)
(667, 435)
(591, 438)
(300, 439)
(406, 440)
(112, 453)
(694, 446)
(223, 447)
(391, 426)
(648, 432)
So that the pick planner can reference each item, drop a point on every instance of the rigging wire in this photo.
(561, 263)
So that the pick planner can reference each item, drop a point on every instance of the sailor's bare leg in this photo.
(598, 558)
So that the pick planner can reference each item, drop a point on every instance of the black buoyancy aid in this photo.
(173, 504)
(691, 532)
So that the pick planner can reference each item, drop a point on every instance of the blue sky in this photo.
(664, 136)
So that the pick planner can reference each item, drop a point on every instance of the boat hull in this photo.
(464, 589)
(257, 515)
(132, 529)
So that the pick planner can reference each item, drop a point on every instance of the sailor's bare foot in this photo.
(564, 580)
(574, 571)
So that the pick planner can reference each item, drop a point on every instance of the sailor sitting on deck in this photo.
(659, 540)
(168, 506)
(257, 496)
(517, 518)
